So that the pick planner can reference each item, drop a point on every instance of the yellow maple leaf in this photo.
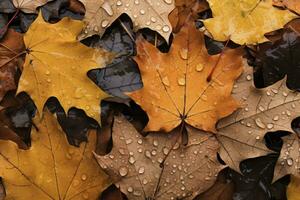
(51, 168)
(245, 22)
(56, 64)
(186, 85)
(292, 192)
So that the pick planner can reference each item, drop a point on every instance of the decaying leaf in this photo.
(152, 14)
(186, 84)
(292, 192)
(11, 49)
(29, 6)
(57, 64)
(158, 166)
(293, 5)
(245, 22)
(51, 168)
(274, 61)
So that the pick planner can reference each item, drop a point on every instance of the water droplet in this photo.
(166, 28)
(131, 160)
(49, 80)
(257, 138)
(284, 94)
(78, 93)
(288, 113)
(104, 23)
(48, 72)
(261, 108)
(142, 12)
(128, 141)
(154, 152)
(121, 151)
(165, 150)
(136, 2)
(107, 7)
(289, 161)
(147, 154)
(111, 156)
(276, 118)
(275, 91)
(140, 141)
(270, 126)
(249, 77)
(191, 176)
(259, 123)
(141, 170)
(84, 177)
(140, 150)
(69, 156)
(145, 181)
(182, 188)
(119, 3)
(155, 143)
(199, 67)
(130, 189)
(168, 1)
(181, 81)
(123, 171)
(183, 53)
(153, 19)
(166, 81)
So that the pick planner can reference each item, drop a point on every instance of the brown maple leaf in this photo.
(293, 5)
(11, 49)
(159, 166)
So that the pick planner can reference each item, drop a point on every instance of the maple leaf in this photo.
(245, 22)
(274, 61)
(51, 168)
(169, 95)
(293, 5)
(11, 49)
(144, 13)
(29, 6)
(57, 64)
(157, 166)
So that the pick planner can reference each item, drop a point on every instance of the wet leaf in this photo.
(232, 20)
(101, 14)
(169, 95)
(12, 49)
(158, 166)
(67, 172)
(29, 6)
(273, 61)
(56, 65)
(293, 5)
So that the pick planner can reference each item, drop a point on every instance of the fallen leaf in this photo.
(184, 10)
(12, 49)
(293, 5)
(274, 61)
(29, 6)
(158, 166)
(57, 64)
(292, 192)
(245, 22)
(51, 168)
(144, 14)
(169, 95)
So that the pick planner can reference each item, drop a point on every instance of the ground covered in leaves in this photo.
(150, 99)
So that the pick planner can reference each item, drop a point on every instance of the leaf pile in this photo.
(131, 99)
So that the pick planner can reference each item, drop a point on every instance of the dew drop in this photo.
(141, 170)
(153, 19)
(182, 188)
(166, 81)
(154, 152)
(289, 161)
(168, 1)
(249, 77)
(165, 150)
(142, 12)
(130, 189)
(270, 126)
(107, 7)
(155, 143)
(261, 108)
(104, 23)
(121, 151)
(147, 154)
(48, 72)
(181, 81)
(199, 67)
(128, 141)
(123, 171)
(140, 150)
(136, 2)
(119, 3)
(183, 53)
(140, 141)
(257, 138)
(131, 160)
(276, 118)
(145, 181)
(166, 28)
(259, 123)
(84, 177)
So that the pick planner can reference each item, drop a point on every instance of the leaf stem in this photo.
(3, 29)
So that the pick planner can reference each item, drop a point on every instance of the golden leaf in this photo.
(56, 64)
(245, 22)
(186, 84)
(51, 168)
